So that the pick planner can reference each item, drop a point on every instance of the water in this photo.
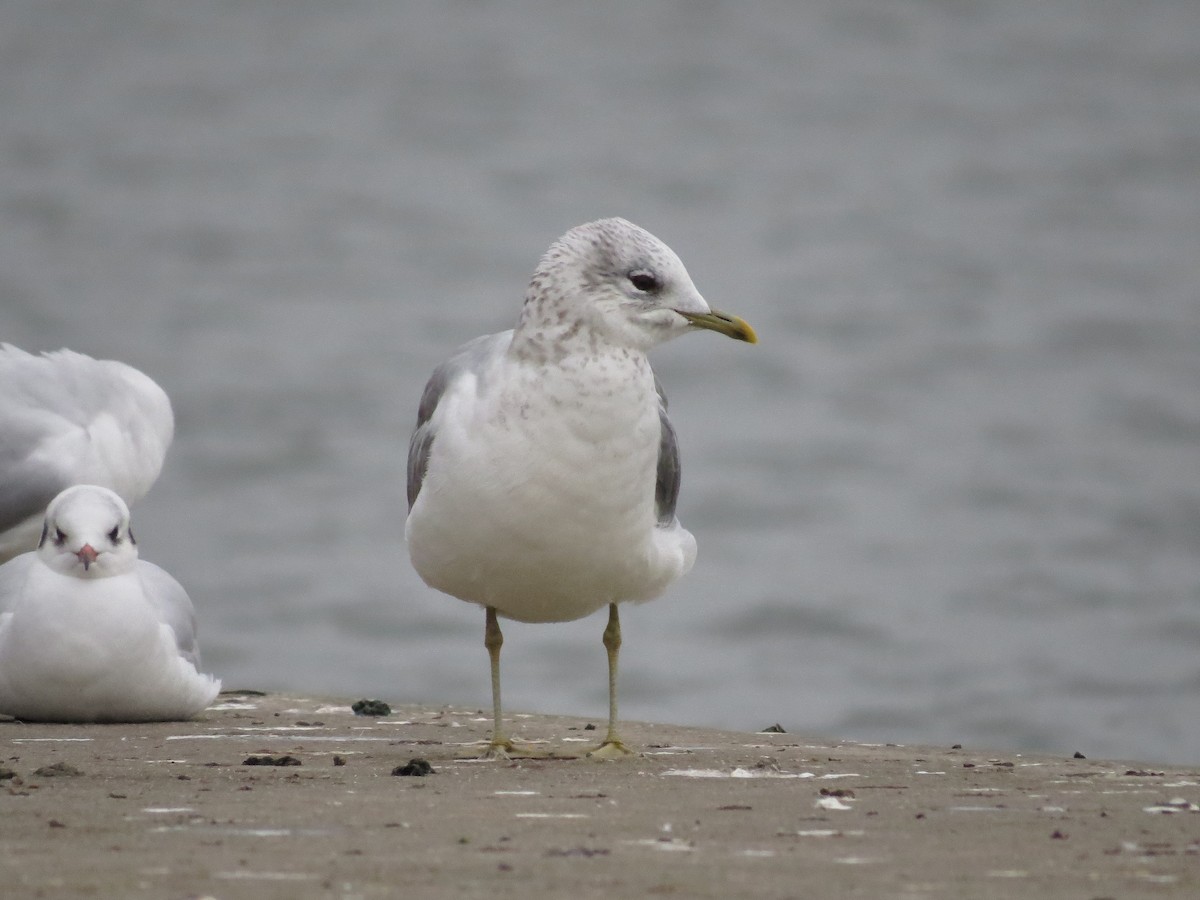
(953, 495)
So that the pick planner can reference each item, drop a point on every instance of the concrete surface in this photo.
(172, 810)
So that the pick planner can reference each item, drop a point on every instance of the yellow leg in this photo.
(501, 746)
(612, 748)
(493, 639)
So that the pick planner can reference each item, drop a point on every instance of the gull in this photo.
(543, 472)
(91, 633)
(67, 419)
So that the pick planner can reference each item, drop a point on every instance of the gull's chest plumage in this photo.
(105, 618)
(575, 446)
(592, 442)
(539, 497)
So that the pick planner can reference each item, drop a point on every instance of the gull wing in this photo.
(666, 485)
(471, 359)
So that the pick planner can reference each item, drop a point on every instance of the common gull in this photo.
(543, 473)
(91, 633)
(66, 419)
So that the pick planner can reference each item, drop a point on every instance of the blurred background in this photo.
(953, 496)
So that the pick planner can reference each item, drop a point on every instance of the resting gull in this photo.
(90, 633)
(66, 419)
(543, 472)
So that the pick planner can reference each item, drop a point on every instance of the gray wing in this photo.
(421, 442)
(30, 419)
(174, 608)
(26, 487)
(13, 575)
(666, 486)
(471, 358)
(47, 404)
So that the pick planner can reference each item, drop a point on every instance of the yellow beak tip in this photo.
(723, 323)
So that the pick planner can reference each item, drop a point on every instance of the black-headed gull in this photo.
(543, 472)
(66, 419)
(91, 633)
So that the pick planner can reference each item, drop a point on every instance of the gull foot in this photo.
(611, 749)
(509, 749)
(498, 751)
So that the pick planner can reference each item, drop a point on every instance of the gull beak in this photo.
(87, 555)
(722, 323)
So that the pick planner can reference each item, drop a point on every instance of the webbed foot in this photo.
(613, 748)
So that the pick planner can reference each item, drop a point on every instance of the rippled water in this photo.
(953, 495)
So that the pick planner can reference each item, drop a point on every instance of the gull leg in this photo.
(493, 639)
(501, 745)
(613, 747)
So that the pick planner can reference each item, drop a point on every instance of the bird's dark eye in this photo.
(115, 534)
(644, 281)
(60, 537)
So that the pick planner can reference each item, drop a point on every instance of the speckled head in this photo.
(614, 282)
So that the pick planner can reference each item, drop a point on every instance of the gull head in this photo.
(86, 534)
(613, 281)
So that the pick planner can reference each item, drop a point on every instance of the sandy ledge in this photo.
(172, 811)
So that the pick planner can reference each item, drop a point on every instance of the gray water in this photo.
(952, 496)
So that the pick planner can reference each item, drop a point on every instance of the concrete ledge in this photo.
(173, 810)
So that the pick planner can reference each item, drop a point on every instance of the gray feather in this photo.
(26, 495)
(469, 359)
(666, 486)
(174, 608)
(27, 484)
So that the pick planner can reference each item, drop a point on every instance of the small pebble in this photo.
(371, 708)
(415, 767)
(58, 768)
(270, 761)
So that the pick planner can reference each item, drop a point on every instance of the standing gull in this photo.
(66, 419)
(543, 472)
(90, 633)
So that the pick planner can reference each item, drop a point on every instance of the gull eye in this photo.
(115, 534)
(60, 537)
(644, 281)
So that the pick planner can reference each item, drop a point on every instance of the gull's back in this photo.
(66, 419)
